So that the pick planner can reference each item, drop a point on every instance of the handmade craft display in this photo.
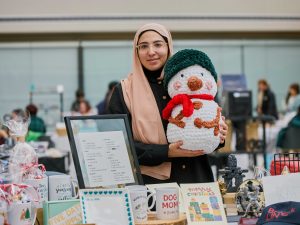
(232, 174)
(106, 206)
(23, 156)
(203, 204)
(250, 198)
(62, 212)
(20, 202)
(26, 186)
(193, 115)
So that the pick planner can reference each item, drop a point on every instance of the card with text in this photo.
(203, 204)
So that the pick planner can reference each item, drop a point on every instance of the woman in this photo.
(292, 95)
(266, 100)
(142, 97)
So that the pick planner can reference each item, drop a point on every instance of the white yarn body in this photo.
(195, 138)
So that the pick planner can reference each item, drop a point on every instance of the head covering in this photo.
(184, 59)
(146, 123)
(283, 213)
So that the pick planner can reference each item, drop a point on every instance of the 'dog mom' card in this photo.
(203, 204)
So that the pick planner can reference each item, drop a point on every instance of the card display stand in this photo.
(153, 220)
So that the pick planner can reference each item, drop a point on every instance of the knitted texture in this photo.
(195, 138)
(185, 58)
(193, 116)
(184, 100)
(179, 82)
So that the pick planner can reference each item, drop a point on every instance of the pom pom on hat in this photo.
(184, 59)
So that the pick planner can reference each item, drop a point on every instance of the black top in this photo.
(184, 170)
(269, 104)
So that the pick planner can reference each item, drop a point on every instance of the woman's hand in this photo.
(223, 130)
(176, 151)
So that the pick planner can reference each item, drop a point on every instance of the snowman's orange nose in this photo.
(194, 83)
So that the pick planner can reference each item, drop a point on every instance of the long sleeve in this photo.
(148, 154)
(272, 108)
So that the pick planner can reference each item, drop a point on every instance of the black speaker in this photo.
(238, 108)
(238, 105)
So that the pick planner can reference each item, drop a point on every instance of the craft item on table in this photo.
(167, 203)
(21, 203)
(285, 170)
(222, 187)
(230, 172)
(62, 187)
(247, 221)
(106, 206)
(250, 198)
(152, 188)
(62, 212)
(203, 204)
(260, 172)
(281, 188)
(283, 213)
(34, 175)
(41, 186)
(152, 220)
(3, 210)
(194, 117)
(22, 154)
(139, 198)
(230, 204)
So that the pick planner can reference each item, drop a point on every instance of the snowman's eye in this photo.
(202, 74)
(182, 75)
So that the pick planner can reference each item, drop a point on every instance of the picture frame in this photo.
(106, 206)
(62, 212)
(103, 150)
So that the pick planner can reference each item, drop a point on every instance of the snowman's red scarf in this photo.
(186, 102)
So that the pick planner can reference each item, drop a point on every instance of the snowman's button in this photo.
(183, 166)
(159, 82)
(164, 97)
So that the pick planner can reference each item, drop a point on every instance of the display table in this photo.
(152, 220)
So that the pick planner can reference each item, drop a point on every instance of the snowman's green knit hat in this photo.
(185, 58)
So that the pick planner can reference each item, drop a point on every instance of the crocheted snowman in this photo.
(193, 115)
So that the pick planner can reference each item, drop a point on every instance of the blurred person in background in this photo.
(37, 126)
(79, 97)
(17, 113)
(294, 122)
(85, 109)
(103, 105)
(266, 102)
(292, 95)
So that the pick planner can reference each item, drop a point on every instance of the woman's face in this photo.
(293, 92)
(83, 108)
(152, 50)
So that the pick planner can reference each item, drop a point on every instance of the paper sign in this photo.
(203, 204)
(106, 158)
(281, 188)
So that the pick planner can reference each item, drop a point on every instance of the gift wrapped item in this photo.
(22, 154)
(21, 201)
(34, 175)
